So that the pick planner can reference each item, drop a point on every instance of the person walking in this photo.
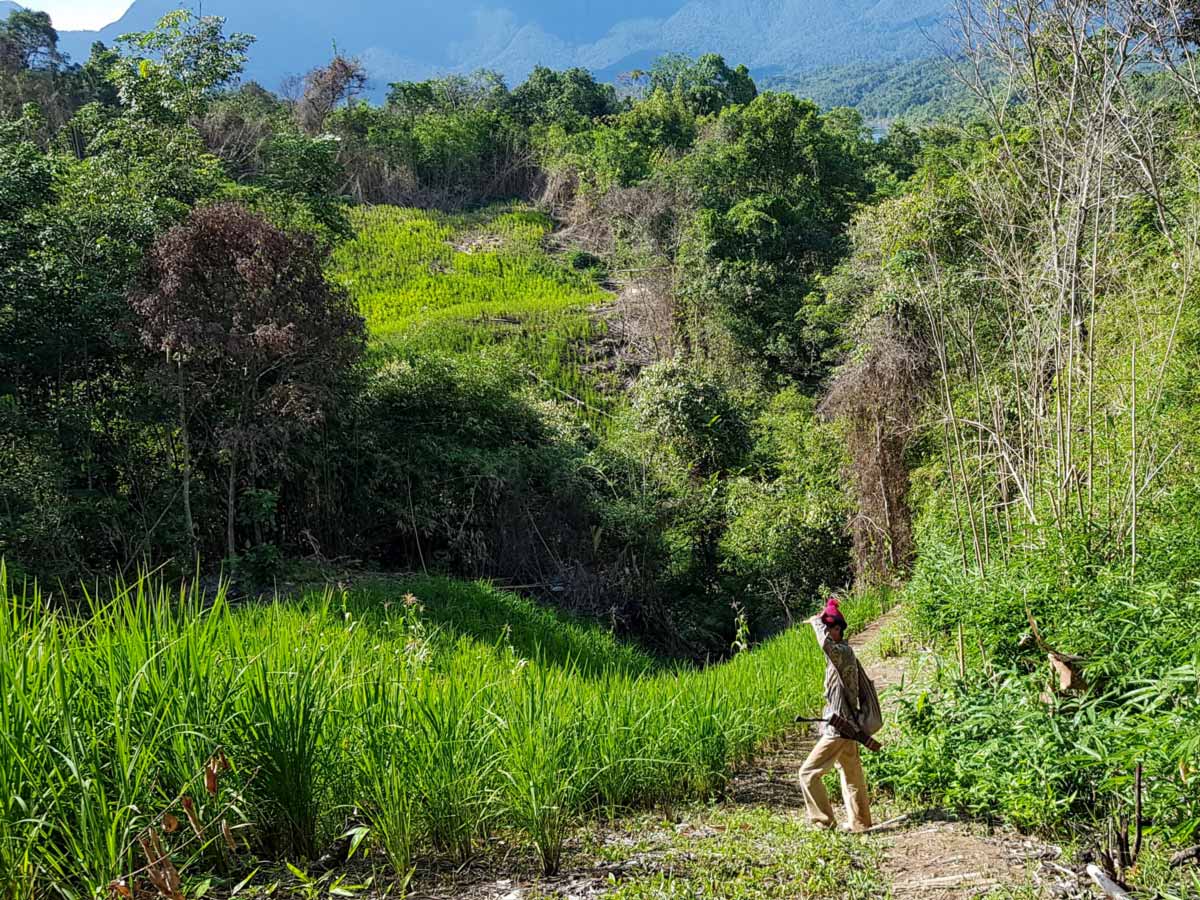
(841, 698)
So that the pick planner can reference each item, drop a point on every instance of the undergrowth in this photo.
(749, 854)
(991, 733)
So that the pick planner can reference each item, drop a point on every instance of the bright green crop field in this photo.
(425, 714)
(479, 282)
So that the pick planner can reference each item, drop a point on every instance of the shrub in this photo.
(692, 410)
(477, 455)
(1001, 741)
(779, 551)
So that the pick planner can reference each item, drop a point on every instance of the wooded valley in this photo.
(453, 469)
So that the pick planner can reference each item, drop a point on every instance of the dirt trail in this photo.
(929, 855)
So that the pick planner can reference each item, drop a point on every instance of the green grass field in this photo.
(478, 282)
(432, 712)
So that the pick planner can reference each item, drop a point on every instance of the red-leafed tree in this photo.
(253, 339)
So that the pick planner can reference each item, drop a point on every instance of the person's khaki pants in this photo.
(843, 753)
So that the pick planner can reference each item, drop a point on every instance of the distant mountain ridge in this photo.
(410, 39)
(916, 91)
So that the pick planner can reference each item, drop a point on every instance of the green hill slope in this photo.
(919, 91)
(479, 282)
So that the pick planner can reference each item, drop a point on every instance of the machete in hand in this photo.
(848, 729)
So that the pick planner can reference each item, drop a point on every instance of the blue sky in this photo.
(73, 15)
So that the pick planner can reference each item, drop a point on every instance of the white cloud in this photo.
(79, 15)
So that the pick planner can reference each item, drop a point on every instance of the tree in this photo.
(775, 187)
(483, 90)
(707, 83)
(572, 99)
(327, 86)
(251, 337)
(32, 71)
(96, 74)
(694, 412)
(26, 187)
(28, 41)
(662, 121)
(786, 534)
(306, 170)
(171, 72)
(237, 125)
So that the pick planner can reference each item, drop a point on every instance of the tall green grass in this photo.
(427, 281)
(409, 267)
(436, 729)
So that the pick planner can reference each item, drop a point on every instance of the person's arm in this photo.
(822, 632)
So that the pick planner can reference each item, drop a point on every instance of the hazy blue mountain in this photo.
(417, 38)
(7, 8)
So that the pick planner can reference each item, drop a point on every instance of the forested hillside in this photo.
(671, 364)
(921, 91)
(513, 402)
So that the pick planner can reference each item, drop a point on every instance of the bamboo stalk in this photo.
(962, 653)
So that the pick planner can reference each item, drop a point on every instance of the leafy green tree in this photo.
(775, 187)
(708, 84)
(71, 367)
(662, 122)
(456, 139)
(26, 189)
(694, 412)
(78, 229)
(34, 71)
(897, 156)
(171, 72)
(786, 536)
(453, 93)
(571, 99)
(237, 126)
(627, 149)
(28, 40)
(307, 171)
(96, 76)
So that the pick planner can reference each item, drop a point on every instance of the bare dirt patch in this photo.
(479, 242)
(939, 858)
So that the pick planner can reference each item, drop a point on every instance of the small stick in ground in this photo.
(890, 823)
